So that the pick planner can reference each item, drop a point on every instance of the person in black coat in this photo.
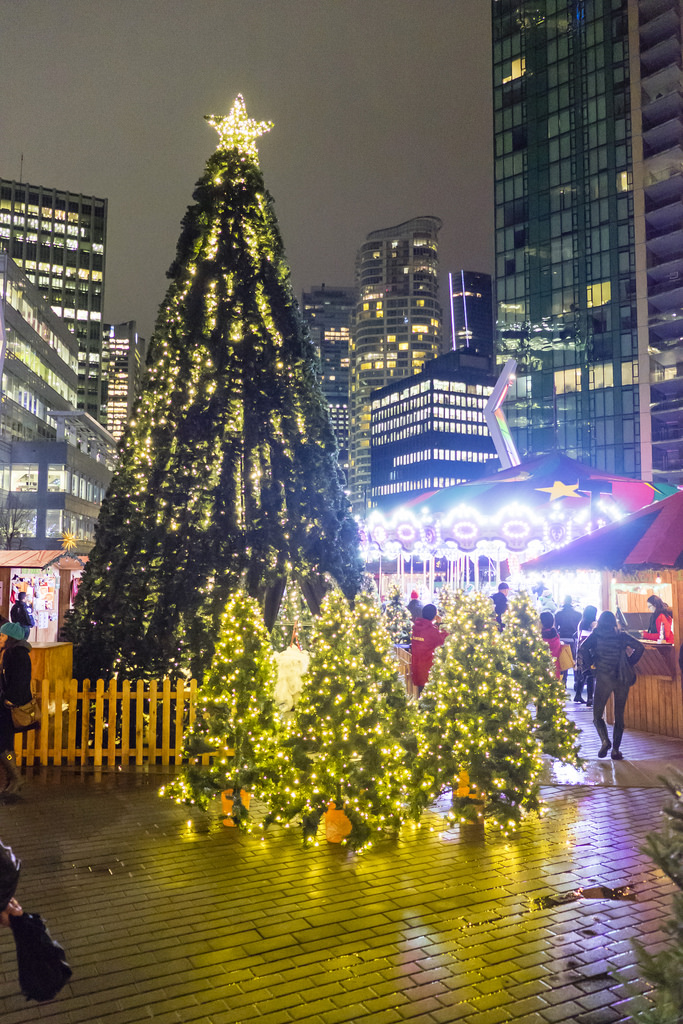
(500, 603)
(15, 687)
(22, 614)
(604, 649)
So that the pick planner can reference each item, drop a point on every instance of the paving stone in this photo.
(562, 1012)
(284, 932)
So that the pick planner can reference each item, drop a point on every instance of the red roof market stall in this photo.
(639, 556)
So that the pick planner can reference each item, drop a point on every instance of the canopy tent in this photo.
(544, 479)
(651, 538)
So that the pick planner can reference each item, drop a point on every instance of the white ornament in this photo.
(291, 667)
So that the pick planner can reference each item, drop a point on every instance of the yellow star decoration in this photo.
(237, 131)
(69, 540)
(560, 490)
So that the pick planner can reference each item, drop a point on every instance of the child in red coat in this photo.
(425, 640)
(552, 638)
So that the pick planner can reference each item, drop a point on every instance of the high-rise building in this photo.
(428, 430)
(328, 313)
(471, 296)
(397, 327)
(58, 238)
(123, 358)
(588, 179)
(55, 461)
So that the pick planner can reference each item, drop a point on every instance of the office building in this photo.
(58, 238)
(55, 460)
(471, 302)
(123, 359)
(397, 328)
(328, 313)
(588, 179)
(428, 430)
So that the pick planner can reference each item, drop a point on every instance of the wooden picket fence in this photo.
(127, 723)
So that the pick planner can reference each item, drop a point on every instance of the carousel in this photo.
(479, 533)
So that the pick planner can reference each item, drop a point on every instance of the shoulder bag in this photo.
(24, 716)
(626, 673)
(565, 659)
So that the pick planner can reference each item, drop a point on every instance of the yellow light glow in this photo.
(237, 131)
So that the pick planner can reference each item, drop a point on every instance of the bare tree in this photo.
(15, 523)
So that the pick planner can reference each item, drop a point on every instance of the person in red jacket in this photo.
(661, 625)
(425, 640)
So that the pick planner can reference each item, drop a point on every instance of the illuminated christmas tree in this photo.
(343, 748)
(228, 469)
(533, 667)
(235, 717)
(380, 667)
(476, 721)
(397, 618)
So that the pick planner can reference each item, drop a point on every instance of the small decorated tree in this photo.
(664, 970)
(341, 753)
(476, 734)
(397, 618)
(235, 719)
(379, 666)
(533, 667)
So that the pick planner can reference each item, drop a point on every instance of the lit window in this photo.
(567, 381)
(515, 70)
(598, 294)
(56, 478)
(24, 477)
(624, 181)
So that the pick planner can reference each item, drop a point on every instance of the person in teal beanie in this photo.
(15, 687)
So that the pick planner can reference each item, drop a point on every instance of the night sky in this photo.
(382, 112)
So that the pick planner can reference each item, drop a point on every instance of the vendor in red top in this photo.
(552, 638)
(426, 638)
(661, 625)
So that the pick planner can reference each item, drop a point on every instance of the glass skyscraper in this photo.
(570, 200)
(397, 327)
(328, 313)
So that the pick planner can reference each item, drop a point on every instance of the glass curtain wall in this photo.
(566, 295)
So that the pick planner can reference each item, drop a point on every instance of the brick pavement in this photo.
(170, 917)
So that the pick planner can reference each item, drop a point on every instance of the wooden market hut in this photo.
(640, 555)
(42, 566)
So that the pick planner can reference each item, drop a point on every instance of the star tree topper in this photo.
(237, 131)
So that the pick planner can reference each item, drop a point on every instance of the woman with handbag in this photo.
(607, 648)
(15, 687)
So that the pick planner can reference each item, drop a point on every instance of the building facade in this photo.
(578, 289)
(428, 430)
(471, 309)
(58, 238)
(55, 460)
(329, 313)
(123, 360)
(397, 328)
